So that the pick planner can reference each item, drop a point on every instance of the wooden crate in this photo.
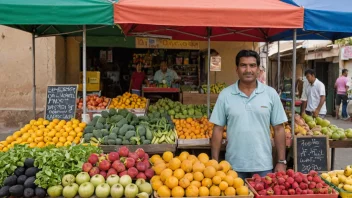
(251, 195)
(197, 98)
(192, 142)
(148, 148)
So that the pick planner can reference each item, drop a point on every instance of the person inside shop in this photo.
(248, 108)
(166, 75)
(313, 96)
(137, 79)
(341, 87)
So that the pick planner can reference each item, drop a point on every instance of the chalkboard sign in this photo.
(61, 102)
(311, 153)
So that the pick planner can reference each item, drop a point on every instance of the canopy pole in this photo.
(34, 86)
(278, 66)
(84, 75)
(208, 80)
(267, 67)
(293, 112)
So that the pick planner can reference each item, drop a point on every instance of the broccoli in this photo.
(97, 133)
(116, 118)
(112, 112)
(101, 120)
(130, 134)
(125, 142)
(121, 122)
(148, 134)
(142, 138)
(129, 117)
(88, 129)
(122, 112)
(107, 126)
(115, 130)
(99, 126)
(156, 114)
(143, 118)
(118, 141)
(105, 132)
(105, 140)
(135, 139)
(104, 114)
(146, 142)
(124, 129)
(87, 137)
(131, 128)
(111, 142)
(141, 130)
(112, 136)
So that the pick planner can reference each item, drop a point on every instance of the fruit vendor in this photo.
(314, 96)
(137, 79)
(248, 108)
(165, 75)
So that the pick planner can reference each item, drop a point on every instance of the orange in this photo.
(59, 144)
(229, 180)
(243, 190)
(171, 182)
(78, 129)
(238, 182)
(186, 165)
(213, 163)
(198, 167)
(80, 134)
(39, 139)
(183, 156)
(47, 139)
(51, 134)
(179, 173)
(216, 180)
(198, 176)
(156, 184)
(41, 144)
(159, 168)
(72, 133)
(164, 191)
(175, 163)
(19, 140)
(223, 185)
(68, 143)
(184, 182)
(203, 191)
(204, 158)
(64, 134)
(209, 172)
(214, 191)
(167, 156)
(154, 178)
(9, 139)
(221, 174)
(206, 182)
(70, 138)
(165, 174)
(154, 158)
(62, 139)
(193, 158)
(196, 183)
(232, 173)
(58, 134)
(55, 140)
(30, 140)
(82, 124)
(189, 176)
(225, 166)
(159, 161)
(32, 145)
(230, 191)
(178, 192)
(192, 191)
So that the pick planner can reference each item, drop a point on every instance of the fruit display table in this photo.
(333, 144)
(155, 93)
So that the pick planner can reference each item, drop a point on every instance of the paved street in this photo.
(343, 157)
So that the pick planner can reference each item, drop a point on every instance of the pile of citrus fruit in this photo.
(191, 128)
(41, 133)
(192, 176)
(128, 101)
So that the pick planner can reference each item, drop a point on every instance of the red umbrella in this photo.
(229, 20)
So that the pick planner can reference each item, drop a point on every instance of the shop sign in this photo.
(346, 53)
(155, 43)
(215, 63)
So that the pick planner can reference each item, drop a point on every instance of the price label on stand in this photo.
(61, 102)
(311, 153)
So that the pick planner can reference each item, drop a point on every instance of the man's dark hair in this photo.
(344, 71)
(247, 53)
(163, 61)
(309, 71)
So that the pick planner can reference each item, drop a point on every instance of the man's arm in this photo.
(216, 142)
(321, 103)
(280, 144)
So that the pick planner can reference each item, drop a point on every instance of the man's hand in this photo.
(280, 167)
(316, 113)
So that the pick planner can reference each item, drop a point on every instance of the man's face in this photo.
(247, 69)
(310, 78)
(163, 67)
(346, 73)
(139, 68)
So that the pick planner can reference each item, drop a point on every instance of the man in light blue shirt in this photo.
(165, 74)
(247, 108)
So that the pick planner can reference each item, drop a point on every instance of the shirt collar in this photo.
(258, 90)
(315, 82)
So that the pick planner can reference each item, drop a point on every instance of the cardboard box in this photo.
(92, 80)
(90, 87)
